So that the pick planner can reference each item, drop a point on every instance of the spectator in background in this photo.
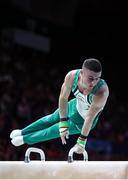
(23, 111)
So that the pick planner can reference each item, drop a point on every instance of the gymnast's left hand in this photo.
(78, 149)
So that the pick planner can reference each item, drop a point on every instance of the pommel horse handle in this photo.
(72, 151)
(36, 150)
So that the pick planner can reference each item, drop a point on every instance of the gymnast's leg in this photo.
(40, 124)
(52, 132)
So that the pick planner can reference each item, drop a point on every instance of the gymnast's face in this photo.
(89, 78)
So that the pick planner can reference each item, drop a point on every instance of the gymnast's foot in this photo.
(15, 133)
(17, 141)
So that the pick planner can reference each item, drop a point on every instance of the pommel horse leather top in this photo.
(69, 169)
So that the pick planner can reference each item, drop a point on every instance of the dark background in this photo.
(30, 79)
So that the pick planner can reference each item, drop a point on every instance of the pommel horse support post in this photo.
(70, 169)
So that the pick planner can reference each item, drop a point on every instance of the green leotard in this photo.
(47, 127)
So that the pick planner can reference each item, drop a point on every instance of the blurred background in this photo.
(40, 41)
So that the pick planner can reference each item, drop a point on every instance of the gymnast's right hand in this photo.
(63, 130)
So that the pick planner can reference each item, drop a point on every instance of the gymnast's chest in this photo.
(82, 98)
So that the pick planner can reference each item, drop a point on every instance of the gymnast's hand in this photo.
(64, 131)
(80, 145)
(78, 149)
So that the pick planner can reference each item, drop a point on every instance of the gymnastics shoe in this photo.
(17, 141)
(15, 133)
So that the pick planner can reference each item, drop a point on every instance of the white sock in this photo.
(17, 141)
(15, 133)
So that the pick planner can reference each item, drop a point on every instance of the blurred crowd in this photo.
(29, 88)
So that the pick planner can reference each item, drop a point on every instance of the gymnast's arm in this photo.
(63, 105)
(64, 94)
(98, 103)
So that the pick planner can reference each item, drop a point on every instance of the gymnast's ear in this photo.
(81, 71)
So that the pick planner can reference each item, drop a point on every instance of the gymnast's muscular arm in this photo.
(65, 93)
(98, 103)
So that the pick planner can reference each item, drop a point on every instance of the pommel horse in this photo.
(70, 169)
